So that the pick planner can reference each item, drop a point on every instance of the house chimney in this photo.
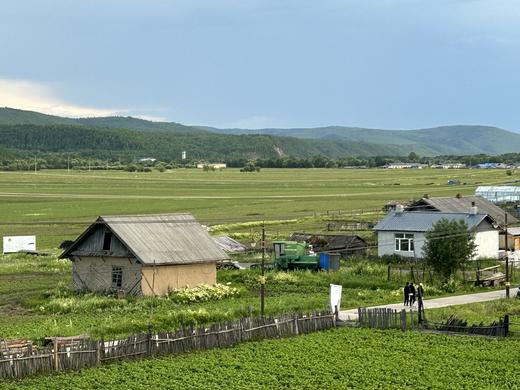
(473, 210)
(399, 208)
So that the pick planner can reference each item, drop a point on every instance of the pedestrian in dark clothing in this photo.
(412, 294)
(407, 293)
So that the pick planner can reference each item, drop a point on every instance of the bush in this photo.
(203, 293)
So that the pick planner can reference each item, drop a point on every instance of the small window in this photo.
(117, 277)
(107, 241)
(404, 242)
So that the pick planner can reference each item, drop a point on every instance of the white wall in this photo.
(386, 244)
(486, 241)
(487, 244)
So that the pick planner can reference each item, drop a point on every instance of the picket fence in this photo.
(86, 352)
(384, 318)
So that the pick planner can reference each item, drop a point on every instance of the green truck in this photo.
(290, 255)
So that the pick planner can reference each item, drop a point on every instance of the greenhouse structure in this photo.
(499, 194)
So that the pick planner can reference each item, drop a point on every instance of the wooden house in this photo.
(143, 255)
(342, 244)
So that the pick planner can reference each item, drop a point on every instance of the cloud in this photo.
(41, 97)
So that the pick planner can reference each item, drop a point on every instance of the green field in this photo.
(57, 205)
(338, 359)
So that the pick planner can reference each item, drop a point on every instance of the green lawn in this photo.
(337, 359)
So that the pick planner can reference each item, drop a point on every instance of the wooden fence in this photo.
(86, 352)
(383, 318)
(498, 328)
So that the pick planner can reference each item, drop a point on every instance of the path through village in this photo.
(352, 314)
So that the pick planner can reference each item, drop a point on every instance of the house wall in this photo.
(95, 274)
(171, 277)
(487, 244)
(386, 244)
(486, 241)
(93, 243)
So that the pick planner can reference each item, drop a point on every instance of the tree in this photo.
(448, 245)
(413, 157)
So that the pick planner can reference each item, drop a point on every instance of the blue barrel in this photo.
(324, 261)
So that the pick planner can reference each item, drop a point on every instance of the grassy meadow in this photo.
(57, 205)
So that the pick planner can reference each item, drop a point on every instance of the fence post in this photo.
(149, 344)
(388, 273)
(99, 345)
(336, 315)
(403, 320)
(296, 324)
(56, 355)
(506, 325)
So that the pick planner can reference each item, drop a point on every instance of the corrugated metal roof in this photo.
(421, 221)
(514, 231)
(227, 244)
(162, 239)
(462, 205)
(330, 241)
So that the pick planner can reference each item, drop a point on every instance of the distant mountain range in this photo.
(28, 131)
(444, 140)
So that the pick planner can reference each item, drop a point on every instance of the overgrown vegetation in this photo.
(448, 246)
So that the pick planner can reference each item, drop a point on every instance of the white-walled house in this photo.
(403, 232)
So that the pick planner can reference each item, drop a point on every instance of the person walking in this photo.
(412, 294)
(407, 293)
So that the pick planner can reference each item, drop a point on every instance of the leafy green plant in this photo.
(203, 293)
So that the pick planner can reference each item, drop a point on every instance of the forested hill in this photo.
(12, 116)
(168, 138)
(445, 140)
(109, 143)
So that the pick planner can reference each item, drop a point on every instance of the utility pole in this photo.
(35, 169)
(507, 260)
(68, 164)
(262, 278)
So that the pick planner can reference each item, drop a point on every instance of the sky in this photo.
(393, 64)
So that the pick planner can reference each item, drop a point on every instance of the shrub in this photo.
(203, 293)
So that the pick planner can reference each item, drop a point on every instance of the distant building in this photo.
(212, 166)
(405, 166)
(403, 232)
(448, 166)
(143, 255)
(148, 160)
(461, 204)
(342, 244)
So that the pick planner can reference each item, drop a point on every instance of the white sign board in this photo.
(335, 296)
(14, 244)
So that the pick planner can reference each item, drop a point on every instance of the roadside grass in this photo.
(475, 313)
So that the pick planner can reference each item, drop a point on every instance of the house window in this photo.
(107, 240)
(117, 277)
(404, 242)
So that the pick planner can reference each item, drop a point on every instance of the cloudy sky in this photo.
(247, 63)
